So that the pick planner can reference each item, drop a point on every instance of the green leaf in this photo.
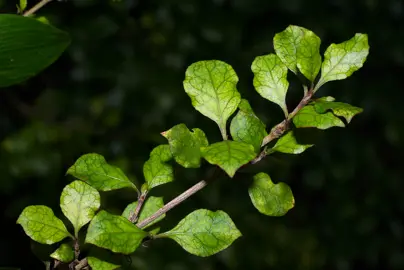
(288, 144)
(64, 253)
(39, 223)
(98, 264)
(247, 127)
(308, 55)
(229, 155)
(151, 205)
(211, 85)
(93, 169)
(79, 202)
(308, 117)
(270, 79)
(204, 233)
(338, 108)
(22, 6)
(155, 170)
(299, 49)
(185, 145)
(270, 199)
(115, 233)
(27, 47)
(343, 59)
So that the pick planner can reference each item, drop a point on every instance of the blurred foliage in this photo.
(120, 84)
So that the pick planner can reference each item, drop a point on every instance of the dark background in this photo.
(119, 85)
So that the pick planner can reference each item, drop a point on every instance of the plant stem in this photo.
(36, 7)
(135, 214)
(173, 203)
(275, 133)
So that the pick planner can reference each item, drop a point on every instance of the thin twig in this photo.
(176, 201)
(134, 215)
(275, 133)
(36, 7)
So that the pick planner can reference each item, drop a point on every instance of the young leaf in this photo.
(308, 55)
(308, 117)
(151, 205)
(22, 6)
(98, 264)
(229, 155)
(270, 79)
(64, 253)
(270, 199)
(93, 169)
(79, 202)
(299, 49)
(115, 233)
(204, 233)
(39, 223)
(343, 59)
(27, 46)
(211, 85)
(247, 127)
(288, 144)
(338, 108)
(185, 145)
(155, 170)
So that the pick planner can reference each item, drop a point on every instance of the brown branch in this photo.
(35, 8)
(275, 133)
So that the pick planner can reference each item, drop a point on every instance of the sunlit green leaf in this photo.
(115, 233)
(247, 127)
(98, 264)
(288, 144)
(211, 85)
(204, 233)
(64, 253)
(151, 205)
(79, 202)
(343, 59)
(229, 155)
(155, 170)
(270, 79)
(185, 145)
(22, 6)
(338, 108)
(269, 198)
(40, 223)
(308, 117)
(27, 47)
(299, 49)
(93, 169)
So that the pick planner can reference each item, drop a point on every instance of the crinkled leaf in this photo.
(298, 48)
(98, 264)
(155, 170)
(40, 223)
(269, 198)
(270, 79)
(79, 202)
(338, 108)
(115, 233)
(247, 127)
(308, 117)
(343, 59)
(211, 85)
(288, 144)
(64, 253)
(151, 205)
(308, 55)
(229, 155)
(93, 169)
(27, 47)
(204, 233)
(185, 145)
